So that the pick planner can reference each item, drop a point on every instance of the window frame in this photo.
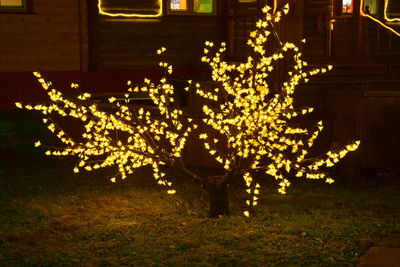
(27, 7)
(190, 10)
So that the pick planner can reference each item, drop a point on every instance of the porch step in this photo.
(353, 75)
(340, 61)
(354, 85)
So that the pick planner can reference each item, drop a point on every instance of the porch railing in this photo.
(240, 26)
(384, 44)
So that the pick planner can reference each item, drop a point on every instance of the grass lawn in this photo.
(51, 217)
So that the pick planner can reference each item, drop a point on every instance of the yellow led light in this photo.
(252, 122)
(378, 21)
(131, 15)
(385, 13)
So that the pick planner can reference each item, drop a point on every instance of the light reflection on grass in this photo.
(50, 216)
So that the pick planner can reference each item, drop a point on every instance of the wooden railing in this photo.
(240, 26)
(384, 45)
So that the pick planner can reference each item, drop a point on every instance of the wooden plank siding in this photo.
(291, 28)
(132, 43)
(316, 14)
(53, 37)
(367, 115)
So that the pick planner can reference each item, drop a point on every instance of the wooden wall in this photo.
(316, 14)
(291, 28)
(370, 116)
(124, 43)
(53, 37)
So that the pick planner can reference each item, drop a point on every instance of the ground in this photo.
(50, 216)
(385, 253)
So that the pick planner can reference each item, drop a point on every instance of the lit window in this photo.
(371, 7)
(179, 5)
(11, 3)
(192, 6)
(347, 6)
(13, 6)
(203, 6)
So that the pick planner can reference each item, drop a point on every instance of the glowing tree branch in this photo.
(153, 137)
(257, 135)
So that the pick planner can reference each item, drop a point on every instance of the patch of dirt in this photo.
(60, 224)
(392, 240)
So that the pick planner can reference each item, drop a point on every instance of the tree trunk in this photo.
(219, 201)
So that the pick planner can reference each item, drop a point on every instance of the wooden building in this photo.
(103, 35)
(102, 43)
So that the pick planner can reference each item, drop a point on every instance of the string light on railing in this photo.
(378, 21)
(385, 13)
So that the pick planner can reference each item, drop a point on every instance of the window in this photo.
(347, 6)
(13, 6)
(371, 7)
(192, 7)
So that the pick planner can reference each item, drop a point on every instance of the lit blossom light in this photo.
(152, 139)
(256, 121)
(253, 120)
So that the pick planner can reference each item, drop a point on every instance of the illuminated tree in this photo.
(129, 137)
(256, 120)
(251, 130)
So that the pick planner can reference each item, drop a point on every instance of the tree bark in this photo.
(219, 200)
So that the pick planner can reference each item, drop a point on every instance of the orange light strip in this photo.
(131, 15)
(377, 20)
